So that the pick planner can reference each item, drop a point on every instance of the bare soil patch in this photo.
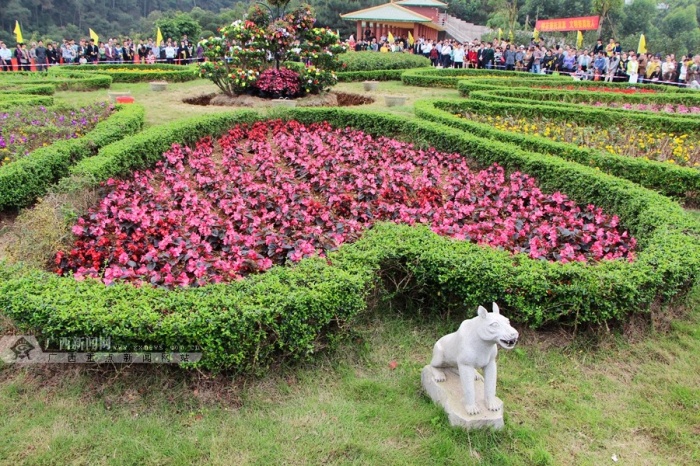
(330, 99)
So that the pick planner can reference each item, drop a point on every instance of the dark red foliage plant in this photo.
(279, 83)
(275, 192)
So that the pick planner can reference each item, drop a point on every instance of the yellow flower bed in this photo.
(681, 149)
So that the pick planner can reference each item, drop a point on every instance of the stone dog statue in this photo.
(474, 346)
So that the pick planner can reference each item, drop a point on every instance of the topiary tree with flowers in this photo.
(248, 56)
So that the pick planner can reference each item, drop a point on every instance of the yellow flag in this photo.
(18, 33)
(411, 40)
(390, 38)
(159, 37)
(642, 47)
(579, 40)
(536, 34)
(511, 36)
(94, 36)
(500, 33)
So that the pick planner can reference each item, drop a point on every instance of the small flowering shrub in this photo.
(279, 83)
(28, 128)
(656, 108)
(681, 149)
(276, 192)
(247, 48)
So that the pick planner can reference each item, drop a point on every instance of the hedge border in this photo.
(373, 61)
(573, 96)
(482, 101)
(25, 180)
(181, 75)
(67, 81)
(465, 85)
(29, 89)
(287, 311)
(450, 77)
(375, 75)
(670, 180)
(18, 100)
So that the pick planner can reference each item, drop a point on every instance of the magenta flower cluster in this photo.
(276, 192)
(279, 83)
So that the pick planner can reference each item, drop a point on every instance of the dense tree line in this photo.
(671, 26)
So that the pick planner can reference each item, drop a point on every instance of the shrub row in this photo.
(287, 311)
(17, 100)
(31, 89)
(372, 61)
(376, 75)
(68, 80)
(484, 103)
(682, 183)
(562, 84)
(505, 89)
(131, 74)
(449, 77)
(23, 181)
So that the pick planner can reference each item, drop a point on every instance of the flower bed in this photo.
(282, 191)
(450, 77)
(601, 88)
(683, 149)
(29, 177)
(26, 129)
(669, 179)
(287, 311)
(656, 108)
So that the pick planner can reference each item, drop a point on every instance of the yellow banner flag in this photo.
(94, 36)
(642, 47)
(579, 40)
(511, 36)
(411, 40)
(500, 33)
(159, 37)
(536, 34)
(18, 33)
(390, 38)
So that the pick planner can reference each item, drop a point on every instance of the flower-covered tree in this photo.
(249, 55)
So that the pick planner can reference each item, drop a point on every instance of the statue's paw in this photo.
(472, 409)
(439, 376)
(478, 377)
(494, 405)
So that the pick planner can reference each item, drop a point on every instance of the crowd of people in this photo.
(87, 51)
(601, 63)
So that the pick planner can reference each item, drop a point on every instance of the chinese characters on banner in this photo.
(582, 23)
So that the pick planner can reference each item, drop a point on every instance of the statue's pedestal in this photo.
(448, 394)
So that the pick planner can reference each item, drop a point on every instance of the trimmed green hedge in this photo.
(484, 103)
(561, 84)
(376, 75)
(67, 81)
(17, 100)
(671, 180)
(23, 181)
(287, 311)
(576, 96)
(372, 61)
(131, 73)
(32, 89)
(449, 77)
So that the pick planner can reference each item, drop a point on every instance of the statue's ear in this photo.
(496, 310)
(482, 312)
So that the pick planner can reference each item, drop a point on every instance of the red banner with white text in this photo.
(581, 23)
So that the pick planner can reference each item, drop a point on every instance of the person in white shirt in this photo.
(458, 56)
(633, 68)
(5, 57)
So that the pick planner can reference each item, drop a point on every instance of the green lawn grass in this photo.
(569, 400)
